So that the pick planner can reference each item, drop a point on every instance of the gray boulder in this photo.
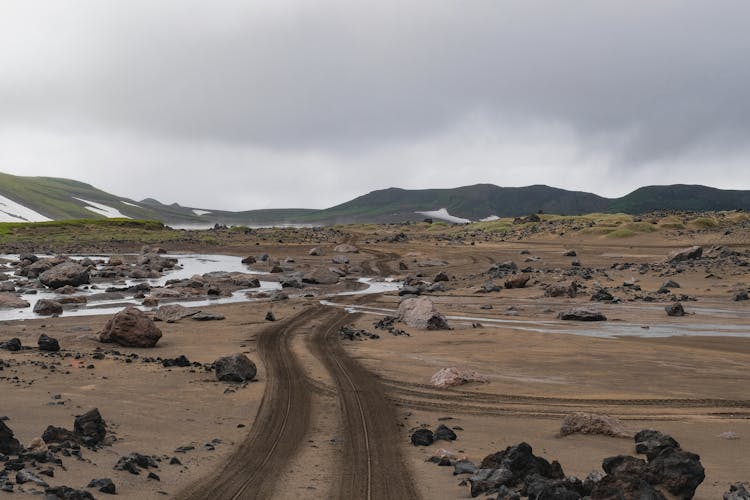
(235, 368)
(68, 273)
(131, 327)
(48, 307)
(420, 313)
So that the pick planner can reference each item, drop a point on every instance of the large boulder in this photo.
(691, 253)
(321, 276)
(9, 445)
(517, 281)
(131, 327)
(592, 423)
(48, 307)
(235, 368)
(68, 273)
(561, 290)
(675, 309)
(12, 301)
(420, 313)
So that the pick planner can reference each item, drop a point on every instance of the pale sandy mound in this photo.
(449, 377)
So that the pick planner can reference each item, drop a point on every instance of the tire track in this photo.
(373, 466)
(280, 426)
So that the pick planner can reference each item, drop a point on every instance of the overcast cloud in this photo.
(239, 105)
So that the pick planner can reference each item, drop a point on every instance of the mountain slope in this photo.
(41, 198)
(469, 202)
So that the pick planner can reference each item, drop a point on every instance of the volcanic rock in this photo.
(422, 437)
(560, 290)
(691, 253)
(105, 485)
(445, 433)
(47, 343)
(67, 493)
(581, 314)
(675, 309)
(48, 307)
(68, 273)
(420, 313)
(207, 316)
(13, 344)
(90, 427)
(737, 491)
(131, 328)
(235, 368)
(9, 445)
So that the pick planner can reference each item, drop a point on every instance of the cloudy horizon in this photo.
(275, 104)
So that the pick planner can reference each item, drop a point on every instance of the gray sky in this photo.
(271, 103)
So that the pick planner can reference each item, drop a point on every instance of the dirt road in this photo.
(372, 463)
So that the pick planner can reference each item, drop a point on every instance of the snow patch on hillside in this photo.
(443, 214)
(101, 209)
(490, 218)
(10, 211)
(200, 212)
(128, 203)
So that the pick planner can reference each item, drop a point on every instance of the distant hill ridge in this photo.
(43, 198)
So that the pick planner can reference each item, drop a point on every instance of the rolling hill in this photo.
(29, 199)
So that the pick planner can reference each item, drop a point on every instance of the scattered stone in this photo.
(602, 295)
(67, 493)
(581, 314)
(740, 296)
(316, 252)
(420, 313)
(684, 254)
(25, 476)
(675, 309)
(13, 344)
(249, 260)
(570, 253)
(235, 368)
(445, 433)
(489, 287)
(270, 316)
(47, 343)
(592, 423)
(105, 485)
(48, 307)
(207, 316)
(346, 248)
(738, 491)
(670, 284)
(131, 327)
(351, 333)
(173, 312)
(90, 428)
(517, 281)
(9, 445)
(182, 361)
(464, 467)
(441, 276)
(134, 462)
(561, 290)
(422, 437)
(453, 376)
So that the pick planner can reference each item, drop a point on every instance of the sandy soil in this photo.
(540, 369)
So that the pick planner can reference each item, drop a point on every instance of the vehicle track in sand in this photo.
(373, 465)
(281, 424)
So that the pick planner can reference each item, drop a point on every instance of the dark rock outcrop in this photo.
(47, 343)
(422, 437)
(90, 428)
(581, 314)
(9, 445)
(48, 307)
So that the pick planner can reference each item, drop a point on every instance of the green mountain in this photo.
(39, 198)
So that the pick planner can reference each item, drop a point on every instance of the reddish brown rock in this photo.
(131, 327)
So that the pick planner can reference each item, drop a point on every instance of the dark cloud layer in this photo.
(594, 95)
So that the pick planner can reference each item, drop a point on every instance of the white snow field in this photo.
(10, 211)
(101, 209)
(443, 214)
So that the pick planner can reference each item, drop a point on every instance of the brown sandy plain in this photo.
(336, 416)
